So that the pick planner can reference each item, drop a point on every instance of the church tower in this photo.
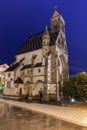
(55, 22)
(46, 42)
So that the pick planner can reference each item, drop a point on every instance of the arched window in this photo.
(28, 71)
(39, 70)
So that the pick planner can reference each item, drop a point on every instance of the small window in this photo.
(39, 70)
(55, 27)
(27, 71)
(9, 74)
(8, 84)
(22, 74)
(22, 64)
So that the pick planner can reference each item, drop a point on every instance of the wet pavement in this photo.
(16, 118)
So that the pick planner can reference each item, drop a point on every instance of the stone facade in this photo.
(41, 64)
(3, 67)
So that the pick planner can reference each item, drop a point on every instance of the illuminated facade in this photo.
(41, 64)
(3, 67)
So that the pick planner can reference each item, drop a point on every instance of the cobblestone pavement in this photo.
(13, 117)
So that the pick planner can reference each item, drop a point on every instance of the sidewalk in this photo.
(73, 115)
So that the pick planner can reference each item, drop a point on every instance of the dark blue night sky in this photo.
(20, 18)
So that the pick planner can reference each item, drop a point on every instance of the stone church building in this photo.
(41, 64)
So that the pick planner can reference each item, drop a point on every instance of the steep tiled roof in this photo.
(30, 66)
(26, 66)
(38, 65)
(14, 66)
(35, 42)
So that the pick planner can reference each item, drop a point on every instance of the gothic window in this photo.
(39, 70)
(27, 71)
(55, 27)
(58, 63)
(8, 84)
(22, 64)
(9, 75)
(22, 74)
(61, 41)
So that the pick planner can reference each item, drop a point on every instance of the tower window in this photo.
(39, 70)
(27, 71)
(22, 74)
(22, 64)
(55, 27)
(31, 71)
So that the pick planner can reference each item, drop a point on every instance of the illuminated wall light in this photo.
(48, 86)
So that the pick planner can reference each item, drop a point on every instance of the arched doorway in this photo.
(29, 89)
(38, 89)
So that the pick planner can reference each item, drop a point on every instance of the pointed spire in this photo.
(46, 27)
(46, 34)
(56, 13)
(46, 30)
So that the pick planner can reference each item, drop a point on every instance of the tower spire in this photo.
(46, 30)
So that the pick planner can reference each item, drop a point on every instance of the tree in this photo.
(76, 86)
(2, 82)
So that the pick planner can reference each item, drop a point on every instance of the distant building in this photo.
(41, 63)
(3, 67)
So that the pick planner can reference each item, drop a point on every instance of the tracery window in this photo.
(8, 84)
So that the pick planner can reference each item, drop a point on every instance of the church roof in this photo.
(35, 42)
(14, 66)
(27, 66)
(38, 64)
(30, 66)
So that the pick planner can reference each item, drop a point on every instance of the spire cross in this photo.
(46, 28)
(55, 7)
